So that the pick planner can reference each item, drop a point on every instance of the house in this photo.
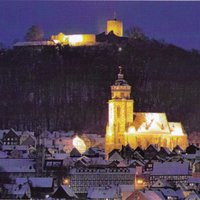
(87, 175)
(15, 191)
(172, 194)
(13, 168)
(146, 195)
(168, 171)
(114, 155)
(11, 137)
(91, 153)
(194, 183)
(151, 151)
(75, 153)
(64, 192)
(157, 194)
(160, 183)
(192, 149)
(196, 169)
(164, 152)
(104, 193)
(127, 152)
(126, 191)
(177, 149)
(139, 151)
(193, 196)
(39, 186)
(29, 141)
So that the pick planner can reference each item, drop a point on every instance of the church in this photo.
(138, 128)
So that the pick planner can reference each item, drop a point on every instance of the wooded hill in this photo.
(68, 88)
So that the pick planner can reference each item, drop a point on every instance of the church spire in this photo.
(120, 76)
(121, 89)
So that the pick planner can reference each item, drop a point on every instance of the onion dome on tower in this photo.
(121, 89)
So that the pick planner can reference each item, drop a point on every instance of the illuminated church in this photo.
(138, 129)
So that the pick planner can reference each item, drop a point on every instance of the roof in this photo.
(126, 188)
(147, 122)
(193, 180)
(18, 190)
(193, 195)
(160, 183)
(60, 156)
(17, 165)
(168, 192)
(75, 153)
(15, 147)
(102, 192)
(170, 168)
(64, 191)
(3, 154)
(34, 43)
(115, 155)
(21, 190)
(176, 128)
(152, 195)
(2, 133)
(41, 182)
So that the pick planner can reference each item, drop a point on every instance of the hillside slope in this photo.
(68, 88)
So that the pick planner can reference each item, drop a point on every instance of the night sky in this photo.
(174, 22)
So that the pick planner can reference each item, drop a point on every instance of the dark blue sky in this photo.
(175, 22)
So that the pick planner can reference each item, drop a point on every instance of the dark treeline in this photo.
(68, 88)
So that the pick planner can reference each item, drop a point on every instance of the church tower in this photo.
(120, 114)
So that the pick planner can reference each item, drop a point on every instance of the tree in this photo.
(136, 33)
(34, 33)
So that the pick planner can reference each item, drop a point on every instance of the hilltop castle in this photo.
(138, 129)
(115, 26)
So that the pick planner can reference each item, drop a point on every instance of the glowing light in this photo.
(73, 39)
(79, 144)
(131, 130)
(66, 181)
(119, 49)
(56, 41)
(140, 181)
(111, 113)
(109, 131)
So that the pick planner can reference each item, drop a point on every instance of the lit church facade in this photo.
(138, 129)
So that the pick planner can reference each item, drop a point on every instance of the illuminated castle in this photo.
(138, 129)
(114, 26)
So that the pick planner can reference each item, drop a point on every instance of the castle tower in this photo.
(120, 114)
(116, 26)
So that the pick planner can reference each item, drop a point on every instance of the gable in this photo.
(29, 141)
(10, 134)
(115, 156)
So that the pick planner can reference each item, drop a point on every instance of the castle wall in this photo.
(74, 40)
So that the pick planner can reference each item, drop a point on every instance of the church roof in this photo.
(146, 122)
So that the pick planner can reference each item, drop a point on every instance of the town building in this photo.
(85, 176)
(168, 171)
(138, 129)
